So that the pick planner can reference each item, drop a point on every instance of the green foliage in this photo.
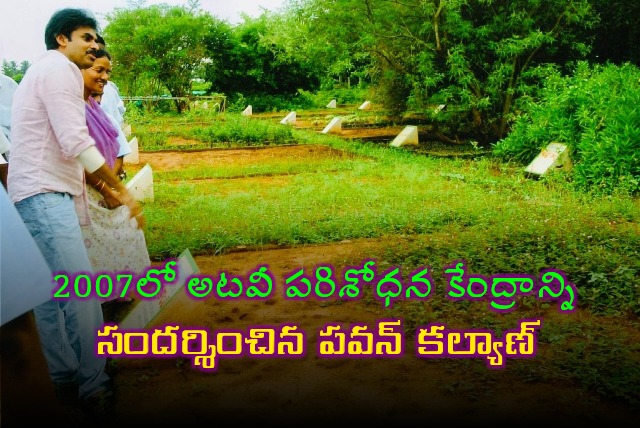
(161, 43)
(270, 103)
(393, 92)
(235, 128)
(243, 62)
(596, 113)
(13, 70)
(206, 128)
(471, 54)
(326, 38)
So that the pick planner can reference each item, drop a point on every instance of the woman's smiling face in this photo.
(97, 76)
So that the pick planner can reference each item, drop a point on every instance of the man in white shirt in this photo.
(112, 104)
(111, 101)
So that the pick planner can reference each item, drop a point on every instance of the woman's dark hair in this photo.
(65, 22)
(103, 52)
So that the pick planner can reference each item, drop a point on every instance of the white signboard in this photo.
(141, 185)
(555, 156)
(334, 127)
(289, 119)
(145, 311)
(132, 157)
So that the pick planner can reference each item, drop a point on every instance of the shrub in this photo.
(320, 99)
(596, 113)
(267, 103)
(241, 130)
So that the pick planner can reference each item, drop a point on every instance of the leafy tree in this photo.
(159, 46)
(13, 70)
(617, 35)
(479, 55)
(218, 68)
(337, 56)
(494, 46)
(243, 61)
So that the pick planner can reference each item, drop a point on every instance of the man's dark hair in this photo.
(100, 40)
(65, 22)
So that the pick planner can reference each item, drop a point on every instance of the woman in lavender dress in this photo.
(113, 240)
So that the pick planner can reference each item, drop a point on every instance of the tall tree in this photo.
(477, 54)
(160, 44)
(243, 61)
(495, 45)
(331, 42)
(11, 69)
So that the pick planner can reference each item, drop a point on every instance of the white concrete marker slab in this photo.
(289, 119)
(332, 104)
(248, 111)
(145, 311)
(554, 157)
(440, 108)
(333, 127)
(132, 157)
(365, 106)
(141, 185)
(408, 136)
(126, 128)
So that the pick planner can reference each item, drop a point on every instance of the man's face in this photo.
(80, 48)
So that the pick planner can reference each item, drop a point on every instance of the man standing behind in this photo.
(111, 102)
(50, 146)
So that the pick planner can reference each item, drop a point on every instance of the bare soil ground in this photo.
(274, 391)
(283, 391)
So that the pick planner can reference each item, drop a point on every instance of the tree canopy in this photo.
(477, 54)
(241, 60)
(13, 70)
(481, 56)
(159, 45)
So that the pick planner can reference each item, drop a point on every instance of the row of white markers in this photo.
(552, 158)
(409, 136)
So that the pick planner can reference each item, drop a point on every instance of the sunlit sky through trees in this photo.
(22, 23)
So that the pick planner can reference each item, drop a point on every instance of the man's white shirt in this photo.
(112, 103)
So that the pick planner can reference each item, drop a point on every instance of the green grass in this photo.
(432, 210)
(510, 223)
